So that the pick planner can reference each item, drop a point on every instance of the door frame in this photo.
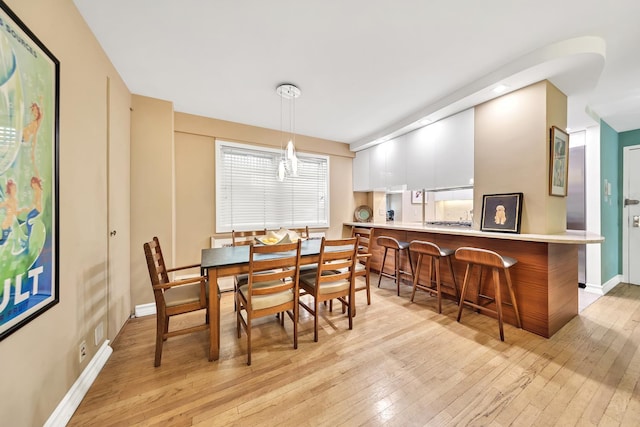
(625, 212)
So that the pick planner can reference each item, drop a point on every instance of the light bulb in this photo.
(290, 149)
(294, 165)
(281, 171)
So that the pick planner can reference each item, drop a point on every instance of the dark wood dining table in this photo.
(231, 261)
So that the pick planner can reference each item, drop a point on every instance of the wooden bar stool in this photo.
(434, 252)
(398, 247)
(497, 262)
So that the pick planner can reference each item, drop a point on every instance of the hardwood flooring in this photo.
(401, 365)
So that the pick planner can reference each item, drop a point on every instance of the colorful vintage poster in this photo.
(29, 84)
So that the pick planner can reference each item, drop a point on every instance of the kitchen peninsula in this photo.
(545, 278)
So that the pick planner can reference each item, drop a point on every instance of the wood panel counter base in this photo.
(545, 279)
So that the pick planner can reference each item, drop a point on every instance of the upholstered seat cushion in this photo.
(258, 302)
(183, 294)
(325, 287)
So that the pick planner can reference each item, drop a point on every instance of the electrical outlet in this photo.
(82, 351)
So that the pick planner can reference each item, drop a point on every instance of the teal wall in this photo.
(610, 214)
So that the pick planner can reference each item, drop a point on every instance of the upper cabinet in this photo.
(453, 151)
(361, 171)
(437, 156)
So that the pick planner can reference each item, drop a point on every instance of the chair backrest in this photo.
(480, 257)
(267, 263)
(365, 235)
(337, 260)
(388, 242)
(303, 232)
(239, 238)
(424, 248)
(157, 268)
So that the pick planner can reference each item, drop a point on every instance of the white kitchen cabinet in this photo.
(361, 171)
(437, 156)
(377, 167)
(420, 160)
(395, 162)
(453, 151)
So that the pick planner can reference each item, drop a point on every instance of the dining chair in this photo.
(242, 238)
(363, 264)
(333, 278)
(174, 297)
(272, 287)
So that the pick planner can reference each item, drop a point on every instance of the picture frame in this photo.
(29, 119)
(558, 162)
(501, 212)
(416, 197)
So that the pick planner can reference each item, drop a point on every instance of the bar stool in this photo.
(497, 262)
(398, 247)
(434, 252)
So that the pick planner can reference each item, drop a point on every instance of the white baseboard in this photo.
(71, 401)
(605, 287)
(145, 309)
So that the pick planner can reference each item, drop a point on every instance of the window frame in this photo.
(224, 226)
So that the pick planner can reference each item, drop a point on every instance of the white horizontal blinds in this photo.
(249, 196)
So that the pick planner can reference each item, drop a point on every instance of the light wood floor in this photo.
(401, 365)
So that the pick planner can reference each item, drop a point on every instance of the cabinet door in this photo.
(420, 161)
(395, 162)
(454, 150)
(377, 167)
(361, 171)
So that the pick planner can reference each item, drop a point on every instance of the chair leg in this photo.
(384, 259)
(416, 276)
(436, 262)
(465, 284)
(248, 339)
(296, 315)
(160, 327)
(453, 277)
(496, 282)
(368, 285)
(315, 320)
(513, 297)
(397, 267)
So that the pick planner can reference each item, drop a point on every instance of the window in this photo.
(249, 196)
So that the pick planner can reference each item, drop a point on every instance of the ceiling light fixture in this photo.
(288, 165)
(500, 88)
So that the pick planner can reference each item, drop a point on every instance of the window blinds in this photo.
(249, 196)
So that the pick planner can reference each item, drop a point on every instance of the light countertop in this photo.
(578, 237)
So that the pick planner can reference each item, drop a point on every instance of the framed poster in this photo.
(558, 162)
(417, 196)
(29, 84)
(501, 212)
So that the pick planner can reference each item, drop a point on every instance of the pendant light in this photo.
(288, 164)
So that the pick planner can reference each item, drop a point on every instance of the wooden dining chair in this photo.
(363, 264)
(333, 279)
(174, 297)
(272, 287)
(242, 238)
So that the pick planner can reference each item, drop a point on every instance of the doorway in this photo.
(631, 214)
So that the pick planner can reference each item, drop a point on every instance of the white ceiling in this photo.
(367, 68)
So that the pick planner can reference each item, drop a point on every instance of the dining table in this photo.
(231, 261)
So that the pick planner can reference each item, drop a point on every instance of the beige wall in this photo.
(512, 153)
(40, 360)
(184, 157)
(152, 194)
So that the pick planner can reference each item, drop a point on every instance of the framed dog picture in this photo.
(501, 212)
(558, 162)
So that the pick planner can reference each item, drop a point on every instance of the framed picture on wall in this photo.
(501, 212)
(29, 83)
(558, 162)
(417, 196)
